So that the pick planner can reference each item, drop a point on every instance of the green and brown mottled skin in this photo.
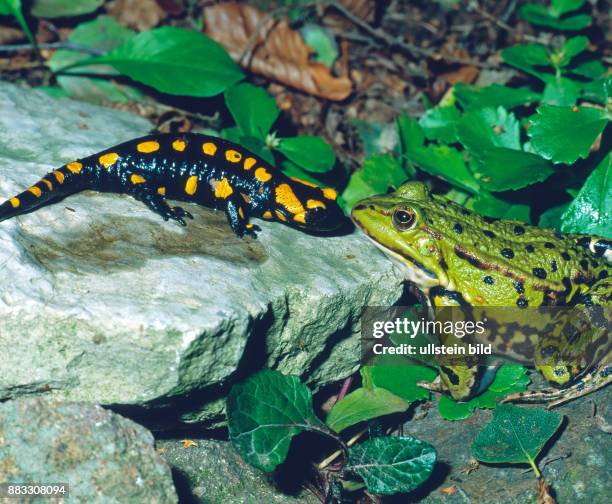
(457, 257)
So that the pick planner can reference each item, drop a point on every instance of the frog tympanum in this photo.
(457, 257)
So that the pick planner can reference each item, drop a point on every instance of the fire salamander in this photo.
(189, 167)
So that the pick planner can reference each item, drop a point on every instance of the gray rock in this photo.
(103, 457)
(103, 301)
(211, 472)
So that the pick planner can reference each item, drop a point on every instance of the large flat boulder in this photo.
(103, 301)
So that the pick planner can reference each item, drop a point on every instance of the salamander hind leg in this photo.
(159, 205)
(238, 219)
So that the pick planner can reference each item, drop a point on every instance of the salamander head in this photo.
(305, 205)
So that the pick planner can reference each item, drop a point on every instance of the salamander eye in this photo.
(404, 219)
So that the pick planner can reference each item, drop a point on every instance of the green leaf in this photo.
(509, 379)
(591, 68)
(390, 465)
(591, 211)
(364, 404)
(15, 8)
(103, 33)
(400, 380)
(561, 91)
(376, 138)
(174, 61)
(551, 218)
(265, 412)
(501, 169)
(483, 128)
(439, 123)
(292, 170)
(311, 153)
(377, 174)
(487, 204)
(257, 147)
(571, 48)
(563, 134)
(470, 97)
(515, 435)
(552, 16)
(324, 45)
(63, 8)
(527, 57)
(560, 7)
(252, 108)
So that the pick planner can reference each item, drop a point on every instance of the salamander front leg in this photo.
(238, 220)
(159, 205)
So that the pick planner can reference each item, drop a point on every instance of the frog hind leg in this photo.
(593, 380)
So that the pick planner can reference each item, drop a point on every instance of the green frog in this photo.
(457, 257)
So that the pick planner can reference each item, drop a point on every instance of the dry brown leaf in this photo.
(544, 495)
(465, 74)
(9, 35)
(449, 490)
(139, 14)
(271, 48)
(364, 9)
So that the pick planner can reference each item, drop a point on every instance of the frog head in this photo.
(397, 223)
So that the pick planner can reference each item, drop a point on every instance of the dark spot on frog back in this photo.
(111, 242)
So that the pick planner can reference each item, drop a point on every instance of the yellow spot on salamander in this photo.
(249, 226)
(249, 163)
(223, 189)
(209, 148)
(75, 167)
(287, 198)
(241, 213)
(233, 156)
(313, 203)
(47, 183)
(148, 147)
(137, 179)
(267, 214)
(59, 176)
(262, 174)
(330, 193)
(108, 160)
(179, 145)
(191, 186)
(15, 202)
(301, 217)
(305, 182)
(280, 216)
(161, 191)
(35, 191)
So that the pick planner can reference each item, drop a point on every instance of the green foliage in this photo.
(401, 380)
(265, 413)
(63, 8)
(103, 33)
(253, 110)
(174, 61)
(310, 152)
(515, 435)
(15, 8)
(508, 380)
(267, 410)
(557, 15)
(390, 465)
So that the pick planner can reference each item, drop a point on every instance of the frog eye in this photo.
(404, 218)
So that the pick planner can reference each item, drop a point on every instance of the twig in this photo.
(69, 46)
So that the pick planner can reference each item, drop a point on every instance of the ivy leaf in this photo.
(470, 97)
(489, 127)
(487, 204)
(439, 123)
(551, 218)
(390, 465)
(63, 8)
(552, 16)
(252, 108)
(265, 412)
(15, 8)
(560, 7)
(311, 153)
(563, 134)
(527, 57)
(572, 47)
(515, 435)
(103, 33)
(400, 380)
(364, 404)
(174, 61)
(561, 91)
(377, 174)
(501, 169)
(591, 211)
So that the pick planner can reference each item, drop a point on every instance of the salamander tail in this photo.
(53, 186)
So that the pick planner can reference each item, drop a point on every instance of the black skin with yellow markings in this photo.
(189, 167)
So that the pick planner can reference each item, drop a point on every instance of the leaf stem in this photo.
(534, 467)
